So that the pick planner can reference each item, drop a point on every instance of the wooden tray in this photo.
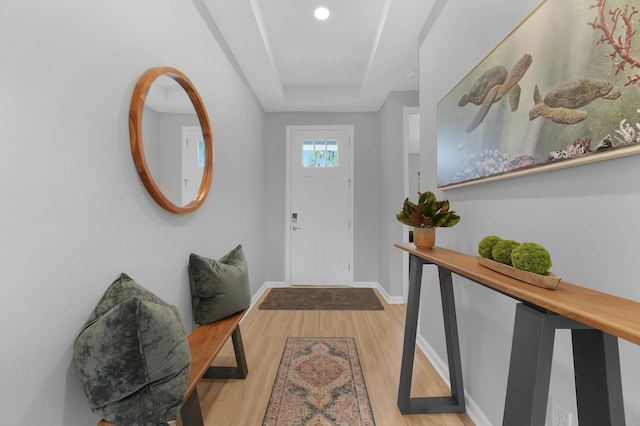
(548, 280)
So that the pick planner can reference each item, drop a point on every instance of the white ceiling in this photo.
(350, 62)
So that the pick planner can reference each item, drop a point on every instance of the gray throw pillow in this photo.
(133, 357)
(219, 288)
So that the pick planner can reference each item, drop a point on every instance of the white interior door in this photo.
(192, 162)
(319, 207)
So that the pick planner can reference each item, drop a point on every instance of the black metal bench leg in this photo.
(190, 413)
(238, 349)
(596, 363)
(240, 371)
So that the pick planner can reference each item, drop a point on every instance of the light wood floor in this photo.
(378, 336)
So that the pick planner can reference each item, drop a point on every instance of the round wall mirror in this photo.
(171, 139)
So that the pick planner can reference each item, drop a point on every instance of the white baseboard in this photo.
(366, 284)
(383, 292)
(391, 300)
(473, 410)
(266, 285)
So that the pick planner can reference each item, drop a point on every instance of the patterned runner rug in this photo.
(330, 298)
(319, 383)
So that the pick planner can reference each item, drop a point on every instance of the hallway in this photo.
(378, 336)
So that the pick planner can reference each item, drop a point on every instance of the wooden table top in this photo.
(614, 315)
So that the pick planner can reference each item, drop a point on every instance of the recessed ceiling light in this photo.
(321, 13)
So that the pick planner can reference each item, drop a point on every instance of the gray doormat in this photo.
(297, 298)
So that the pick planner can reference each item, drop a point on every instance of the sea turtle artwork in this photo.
(492, 86)
(562, 102)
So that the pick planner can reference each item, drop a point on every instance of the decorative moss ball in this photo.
(486, 245)
(531, 257)
(502, 251)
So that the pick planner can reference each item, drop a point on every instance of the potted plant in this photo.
(425, 216)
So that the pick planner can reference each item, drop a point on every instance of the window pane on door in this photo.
(332, 153)
(307, 154)
(320, 153)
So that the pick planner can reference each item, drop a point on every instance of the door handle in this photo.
(295, 228)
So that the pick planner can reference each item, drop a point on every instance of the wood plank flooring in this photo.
(378, 336)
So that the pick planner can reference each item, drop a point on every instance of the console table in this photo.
(596, 321)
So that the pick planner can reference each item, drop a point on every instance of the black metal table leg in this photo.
(530, 368)
(410, 331)
(428, 405)
(451, 336)
(596, 363)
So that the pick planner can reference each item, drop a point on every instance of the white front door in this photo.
(319, 184)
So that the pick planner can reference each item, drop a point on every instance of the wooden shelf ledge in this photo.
(612, 314)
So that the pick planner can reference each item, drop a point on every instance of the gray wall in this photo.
(73, 211)
(366, 194)
(391, 189)
(587, 216)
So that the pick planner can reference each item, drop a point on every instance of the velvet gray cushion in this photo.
(133, 357)
(219, 288)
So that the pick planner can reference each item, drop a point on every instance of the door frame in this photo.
(287, 221)
(406, 112)
(187, 131)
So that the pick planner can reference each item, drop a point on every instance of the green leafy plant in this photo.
(502, 251)
(427, 213)
(486, 245)
(531, 257)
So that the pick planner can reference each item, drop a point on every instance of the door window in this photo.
(319, 153)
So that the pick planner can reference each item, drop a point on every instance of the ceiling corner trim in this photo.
(257, 13)
(376, 42)
(436, 9)
(224, 46)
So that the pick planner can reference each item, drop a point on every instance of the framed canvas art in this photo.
(562, 89)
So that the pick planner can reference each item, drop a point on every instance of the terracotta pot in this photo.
(424, 238)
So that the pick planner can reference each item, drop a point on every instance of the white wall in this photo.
(587, 216)
(73, 212)
(366, 179)
(391, 188)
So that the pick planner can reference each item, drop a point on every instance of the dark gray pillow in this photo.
(219, 288)
(133, 357)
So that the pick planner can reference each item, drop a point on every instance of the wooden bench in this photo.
(205, 342)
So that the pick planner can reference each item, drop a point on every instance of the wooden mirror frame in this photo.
(137, 149)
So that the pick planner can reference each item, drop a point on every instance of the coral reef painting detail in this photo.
(621, 45)
(567, 104)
